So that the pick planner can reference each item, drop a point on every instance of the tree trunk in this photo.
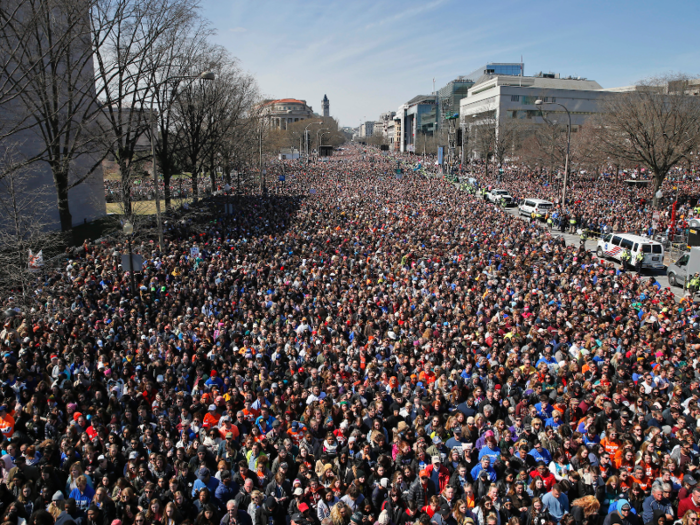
(195, 189)
(61, 180)
(126, 187)
(658, 180)
(166, 191)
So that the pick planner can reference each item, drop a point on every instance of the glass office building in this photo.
(498, 68)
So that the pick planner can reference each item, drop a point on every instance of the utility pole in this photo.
(262, 175)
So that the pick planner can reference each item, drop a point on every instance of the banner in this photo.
(36, 261)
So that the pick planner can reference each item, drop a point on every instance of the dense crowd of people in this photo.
(611, 201)
(141, 188)
(359, 347)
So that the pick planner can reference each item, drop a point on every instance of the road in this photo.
(591, 246)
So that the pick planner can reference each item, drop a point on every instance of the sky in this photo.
(372, 56)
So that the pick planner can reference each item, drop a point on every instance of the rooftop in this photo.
(582, 84)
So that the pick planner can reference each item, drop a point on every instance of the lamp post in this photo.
(206, 75)
(539, 103)
(317, 140)
(306, 140)
(129, 231)
(321, 141)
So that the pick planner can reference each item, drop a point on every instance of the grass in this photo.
(114, 175)
(144, 207)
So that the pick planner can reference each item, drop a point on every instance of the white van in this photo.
(539, 206)
(686, 266)
(613, 244)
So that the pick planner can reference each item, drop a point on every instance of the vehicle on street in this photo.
(496, 196)
(684, 268)
(613, 245)
(537, 206)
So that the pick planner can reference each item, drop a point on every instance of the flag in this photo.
(36, 261)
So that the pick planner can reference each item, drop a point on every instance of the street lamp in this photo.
(306, 140)
(539, 103)
(206, 75)
(129, 231)
(319, 131)
(321, 142)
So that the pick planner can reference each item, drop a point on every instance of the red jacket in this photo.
(443, 476)
(548, 478)
(685, 505)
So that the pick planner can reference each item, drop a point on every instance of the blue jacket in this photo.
(82, 500)
(541, 456)
(650, 505)
(477, 470)
(212, 485)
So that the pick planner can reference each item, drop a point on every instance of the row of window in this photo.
(530, 101)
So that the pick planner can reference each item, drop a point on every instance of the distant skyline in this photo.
(371, 56)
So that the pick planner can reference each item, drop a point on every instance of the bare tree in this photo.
(126, 34)
(25, 227)
(50, 81)
(178, 53)
(657, 125)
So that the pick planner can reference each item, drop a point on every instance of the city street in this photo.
(591, 246)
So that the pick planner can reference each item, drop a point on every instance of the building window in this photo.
(554, 100)
(515, 98)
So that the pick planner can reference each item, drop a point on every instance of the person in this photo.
(623, 515)
(537, 514)
(692, 502)
(556, 502)
(656, 502)
(690, 517)
(693, 286)
(625, 257)
(82, 494)
(585, 510)
(234, 515)
(639, 259)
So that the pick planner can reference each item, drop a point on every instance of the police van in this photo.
(613, 245)
(539, 206)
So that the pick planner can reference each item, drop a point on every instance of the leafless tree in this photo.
(656, 125)
(50, 82)
(177, 54)
(126, 35)
(24, 227)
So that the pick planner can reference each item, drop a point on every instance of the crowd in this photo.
(142, 188)
(359, 348)
(605, 202)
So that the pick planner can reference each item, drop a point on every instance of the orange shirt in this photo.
(7, 425)
(611, 446)
(650, 470)
(426, 377)
(250, 415)
(643, 482)
(211, 420)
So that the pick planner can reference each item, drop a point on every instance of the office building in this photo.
(499, 97)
